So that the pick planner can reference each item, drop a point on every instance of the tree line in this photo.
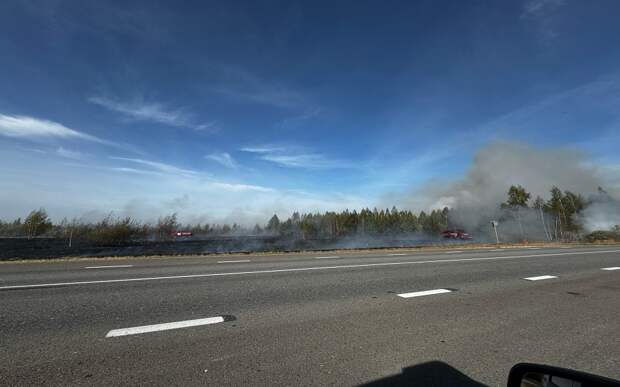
(113, 229)
(373, 222)
(559, 214)
(109, 230)
(558, 217)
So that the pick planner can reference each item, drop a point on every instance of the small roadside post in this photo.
(494, 224)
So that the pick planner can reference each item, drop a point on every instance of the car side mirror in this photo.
(538, 375)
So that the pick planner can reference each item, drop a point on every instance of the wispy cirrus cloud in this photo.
(274, 97)
(311, 160)
(154, 112)
(296, 157)
(224, 159)
(196, 179)
(158, 166)
(70, 154)
(35, 128)
(239, 84)
(541, 13)
(297, 120)
(133, 171)
(538, 8)
(566, 109)
(264, 149)
(237, 187)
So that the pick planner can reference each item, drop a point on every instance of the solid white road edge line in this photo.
(107, 267)
(164, 327)
(540, 277)
(611, 268)
(328, 257)
(424, 293)
(239, 261)
(301, 269)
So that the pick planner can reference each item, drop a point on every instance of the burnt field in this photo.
(49, 248)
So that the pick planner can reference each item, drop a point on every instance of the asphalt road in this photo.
(310, 319)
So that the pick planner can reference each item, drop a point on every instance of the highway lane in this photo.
(81, 263)
(102, 269)
(335, 326)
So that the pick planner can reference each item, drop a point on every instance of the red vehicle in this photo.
(456, 234)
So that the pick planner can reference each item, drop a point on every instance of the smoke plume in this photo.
(602, 212)
(475, 199)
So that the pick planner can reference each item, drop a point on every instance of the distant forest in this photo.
(558, 218)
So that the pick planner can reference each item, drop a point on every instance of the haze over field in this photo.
(230, 113)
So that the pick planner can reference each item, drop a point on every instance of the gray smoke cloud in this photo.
(475, 198)
(602, 213)
(500, 165)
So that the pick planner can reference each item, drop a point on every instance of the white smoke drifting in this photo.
(602, 213)
(475, 199)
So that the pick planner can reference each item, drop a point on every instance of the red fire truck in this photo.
(456, 234)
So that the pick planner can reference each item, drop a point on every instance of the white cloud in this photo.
(295, 157)
(189, 179)
(134, 171)
(538, 8)
(564, 109)
(33, 128)
(158, 166)
(301, 161)
(193, 180)
(242, 85)
(275, 97)
(542, 13)
(208, 127)
(297, 120)
(263, 149)
(224, 159)
(70, 154)
(154, 112)
(233, 187)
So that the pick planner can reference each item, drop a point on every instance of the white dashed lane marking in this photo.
(424, 293)
(396, 254)
(540, 278)
(239, 261)
(328, 257)
(454, 252)
(164, 327)
(611, 268)
(107, 267)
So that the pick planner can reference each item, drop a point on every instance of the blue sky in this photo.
(232, 110)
